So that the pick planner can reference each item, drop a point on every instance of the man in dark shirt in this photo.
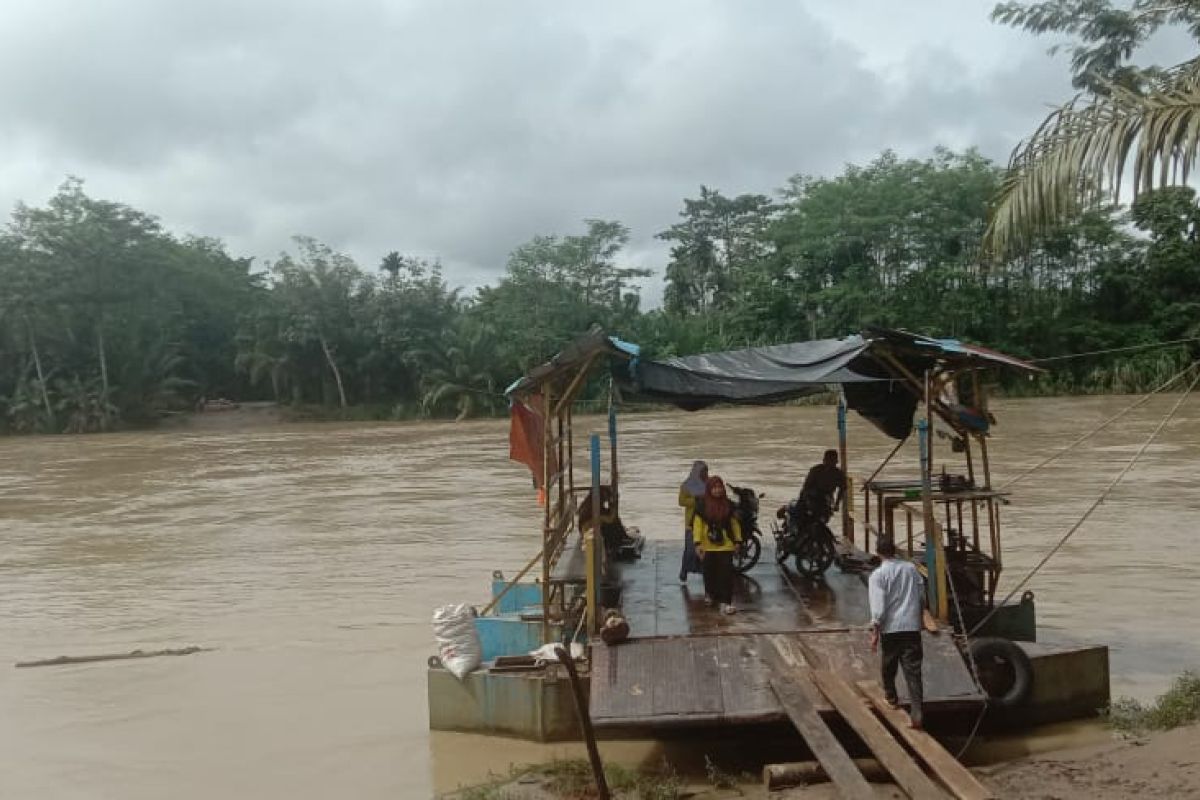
(824, 485)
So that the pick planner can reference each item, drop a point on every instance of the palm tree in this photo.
(1140, 123)
(461, 374)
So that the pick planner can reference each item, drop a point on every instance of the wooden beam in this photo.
(568, 395)
(547, 534)
(793, 688)
(853, 708)
(807, 773)
(915, 385)
(834, 761)
(962, 784)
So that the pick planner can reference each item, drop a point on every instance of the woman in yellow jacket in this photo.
(716, 534)
(691, 493)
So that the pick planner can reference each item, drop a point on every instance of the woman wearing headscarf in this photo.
(691, 492)
(717, 533)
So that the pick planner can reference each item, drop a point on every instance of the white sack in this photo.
(548, 652)
(458, 641)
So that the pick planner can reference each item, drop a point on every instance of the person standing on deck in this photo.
(897, 596)
(717, 533)
(691, 493)
(824, 485)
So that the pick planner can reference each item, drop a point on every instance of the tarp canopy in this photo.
(754, 375)
(864, 366)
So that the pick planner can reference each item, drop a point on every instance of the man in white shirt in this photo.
(897, 595)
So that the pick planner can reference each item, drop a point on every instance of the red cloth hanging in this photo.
(525, 436)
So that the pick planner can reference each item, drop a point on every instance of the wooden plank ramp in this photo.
(895, 759)
(945, 766)
(792, 685)
(798, 685)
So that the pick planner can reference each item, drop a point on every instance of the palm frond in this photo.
(1080, 153)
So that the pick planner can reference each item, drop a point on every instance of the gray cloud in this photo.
(459, 129)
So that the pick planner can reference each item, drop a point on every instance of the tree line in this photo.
(108, 319)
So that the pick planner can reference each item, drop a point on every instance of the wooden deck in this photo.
(689, 665)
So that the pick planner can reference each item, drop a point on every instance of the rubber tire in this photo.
(994, 649)
(754, 545)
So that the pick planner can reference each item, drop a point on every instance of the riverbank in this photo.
(1164, 764)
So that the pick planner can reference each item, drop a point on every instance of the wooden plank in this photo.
(834, 760)
(745, 682)
(962, 784)
(674, 690)
(853, 708)
(621, 681)
(705, 679)
(784, 655)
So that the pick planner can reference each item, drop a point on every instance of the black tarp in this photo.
(763, 375)
(752, 375)
(864, 366)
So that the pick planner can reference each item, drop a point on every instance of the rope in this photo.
(1115, 350)
(1140, 402)
(971, 664)
(1103, 496)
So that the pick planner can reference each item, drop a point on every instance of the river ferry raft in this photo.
(798, 612)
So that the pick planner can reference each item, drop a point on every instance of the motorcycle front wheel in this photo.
(747, 553)
(815, 554)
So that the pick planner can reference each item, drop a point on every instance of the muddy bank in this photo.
(1164, 764)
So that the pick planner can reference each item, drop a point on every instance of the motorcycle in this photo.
(804, 536)
(745, 509)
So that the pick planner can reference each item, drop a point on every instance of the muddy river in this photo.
(310, 557)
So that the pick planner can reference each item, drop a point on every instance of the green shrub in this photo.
(1179, 705)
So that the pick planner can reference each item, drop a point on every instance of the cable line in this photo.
(1103, 496)
(1115, 350)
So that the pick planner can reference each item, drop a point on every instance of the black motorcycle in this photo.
(745, 508)
(805, 536)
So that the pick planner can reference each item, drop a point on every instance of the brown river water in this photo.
(312, 556)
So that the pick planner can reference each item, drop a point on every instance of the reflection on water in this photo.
(311, 556)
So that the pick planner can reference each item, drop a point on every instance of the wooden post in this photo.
(987, 467)
(966, 439)
(570, 450)
(981, 401)
(589, 543)
(560, 452)
(614, 476)
(547, 554)
(847, 489)
(927, 513)
(585, 722)
(935, 556)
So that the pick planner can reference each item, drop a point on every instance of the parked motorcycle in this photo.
(745, 509)
(804, 536)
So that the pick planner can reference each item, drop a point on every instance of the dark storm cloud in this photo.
(459, 129)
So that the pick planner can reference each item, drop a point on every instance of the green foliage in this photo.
(572, 778)
(106, 319)
(1106, 36)
(1179, 705)
(1132, 126)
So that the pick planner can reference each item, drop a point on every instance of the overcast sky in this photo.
(458, 130)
